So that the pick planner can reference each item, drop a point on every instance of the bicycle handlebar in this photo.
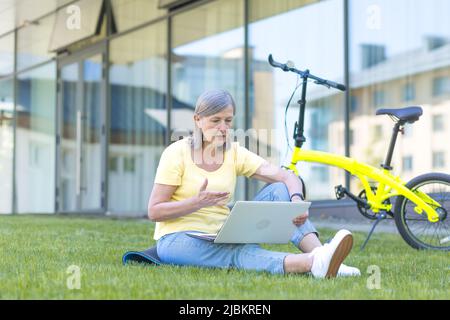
(306, 74)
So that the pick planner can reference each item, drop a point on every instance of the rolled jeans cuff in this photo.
(302, 231)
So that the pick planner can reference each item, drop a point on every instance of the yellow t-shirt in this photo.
(177, 168)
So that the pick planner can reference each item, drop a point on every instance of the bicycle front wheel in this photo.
(415, 228)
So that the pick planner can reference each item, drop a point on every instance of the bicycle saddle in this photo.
(408, 114)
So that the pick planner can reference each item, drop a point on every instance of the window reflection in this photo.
(35, 140)
(208, 53)
(91, 132)
(441, 86)
(131, 13)
(33, 42)
(297, 35)
(6, 145)
(6, 54)
(439, 159)
(409, 92)
(396, 62)
(138, 89)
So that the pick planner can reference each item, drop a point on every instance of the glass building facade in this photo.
(92, 91)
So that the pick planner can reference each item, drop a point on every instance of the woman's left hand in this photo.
(301, 219)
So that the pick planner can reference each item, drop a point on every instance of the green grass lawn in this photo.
(37, 250)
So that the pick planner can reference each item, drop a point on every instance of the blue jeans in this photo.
(180, 249)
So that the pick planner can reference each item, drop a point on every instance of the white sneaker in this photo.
(347, 271)
(328, 258)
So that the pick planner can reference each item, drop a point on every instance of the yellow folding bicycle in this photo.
(421, 205)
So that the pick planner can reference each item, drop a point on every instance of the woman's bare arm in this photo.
(160, 207)
(268, 172)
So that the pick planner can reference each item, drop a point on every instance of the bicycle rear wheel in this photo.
(415, 228)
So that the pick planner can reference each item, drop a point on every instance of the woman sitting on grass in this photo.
(191, 192)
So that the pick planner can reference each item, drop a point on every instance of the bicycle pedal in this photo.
(340, 192)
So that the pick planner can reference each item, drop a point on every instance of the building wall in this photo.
(158, 61)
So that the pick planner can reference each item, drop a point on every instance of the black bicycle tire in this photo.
(399, 211)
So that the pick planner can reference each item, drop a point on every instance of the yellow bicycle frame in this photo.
(389, 185)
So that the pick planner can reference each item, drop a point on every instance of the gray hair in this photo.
(209, 103)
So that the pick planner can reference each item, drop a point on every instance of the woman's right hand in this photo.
(210, 198)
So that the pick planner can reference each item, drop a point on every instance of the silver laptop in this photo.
(257, 222)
